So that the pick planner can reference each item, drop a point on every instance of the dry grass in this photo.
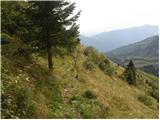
(52, 92)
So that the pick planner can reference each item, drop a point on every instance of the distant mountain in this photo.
(146, 48)
(87, 41)
(145, 54)
(108, 41)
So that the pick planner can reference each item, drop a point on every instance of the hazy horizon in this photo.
(91, 35)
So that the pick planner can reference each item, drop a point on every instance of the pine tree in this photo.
(130, 73)
(14, 19)
(16, 30)
(56, 26)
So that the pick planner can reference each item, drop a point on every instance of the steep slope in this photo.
(107, 41)
(144, 53)
(71, 90)
(149, 47)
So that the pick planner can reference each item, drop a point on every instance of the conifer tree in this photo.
(14, 19)
(130, 73)
(55, 23)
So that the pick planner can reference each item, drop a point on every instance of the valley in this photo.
(107, 41)
(145, 55)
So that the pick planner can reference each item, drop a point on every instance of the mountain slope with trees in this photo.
(144, 53)
(107, 41)
(81, 82)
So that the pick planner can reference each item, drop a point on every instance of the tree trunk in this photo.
(49, 51)
(50, 61)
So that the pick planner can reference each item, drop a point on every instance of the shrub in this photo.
(155, 93)
(105, 67)
(98, 58)
(145, 100)
(89, 51)
(89, 94)
(106, 61)
(74, 99)
(93, 55)
(60, 51)
(5, 38)
(89, 65)
(91, 109)
(116, 73)
(12, 46)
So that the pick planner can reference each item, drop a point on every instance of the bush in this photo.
(60, 51)
(106, 61)
(91, 109)
(89, 94)
(12, 46)
(105, 67)
(93, 55)
(5, 38)
(74, 99)
(89, 65)
(155, 93)
(145, 100)
(89, 51)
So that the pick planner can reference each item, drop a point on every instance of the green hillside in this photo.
(72, 90)
(145, 55)
(47, 73)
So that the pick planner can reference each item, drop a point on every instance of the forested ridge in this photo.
(145, 55)
(47, 73)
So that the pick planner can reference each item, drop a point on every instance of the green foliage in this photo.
(153, 69)
(130, 73)
(89, 94)
(74, 99)
(155, 93)
(17, 32)
(52, 19)
(95, 58)
(106, 67)
(25, 89)
(93, 55)
(14, 98)
(89, 108)
(15, 47)
(89, 65)
(39, 26)
(90, 51)
(29, 90)
(145, 100)
(61, 51)
(5, 39)
(145, 56)
(148, 83)
(15, 20)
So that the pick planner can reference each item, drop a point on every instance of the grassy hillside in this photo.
(75, 89)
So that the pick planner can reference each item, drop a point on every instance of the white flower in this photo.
(27, 79)
(16, 81)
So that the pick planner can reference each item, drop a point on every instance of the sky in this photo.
(105, 15)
